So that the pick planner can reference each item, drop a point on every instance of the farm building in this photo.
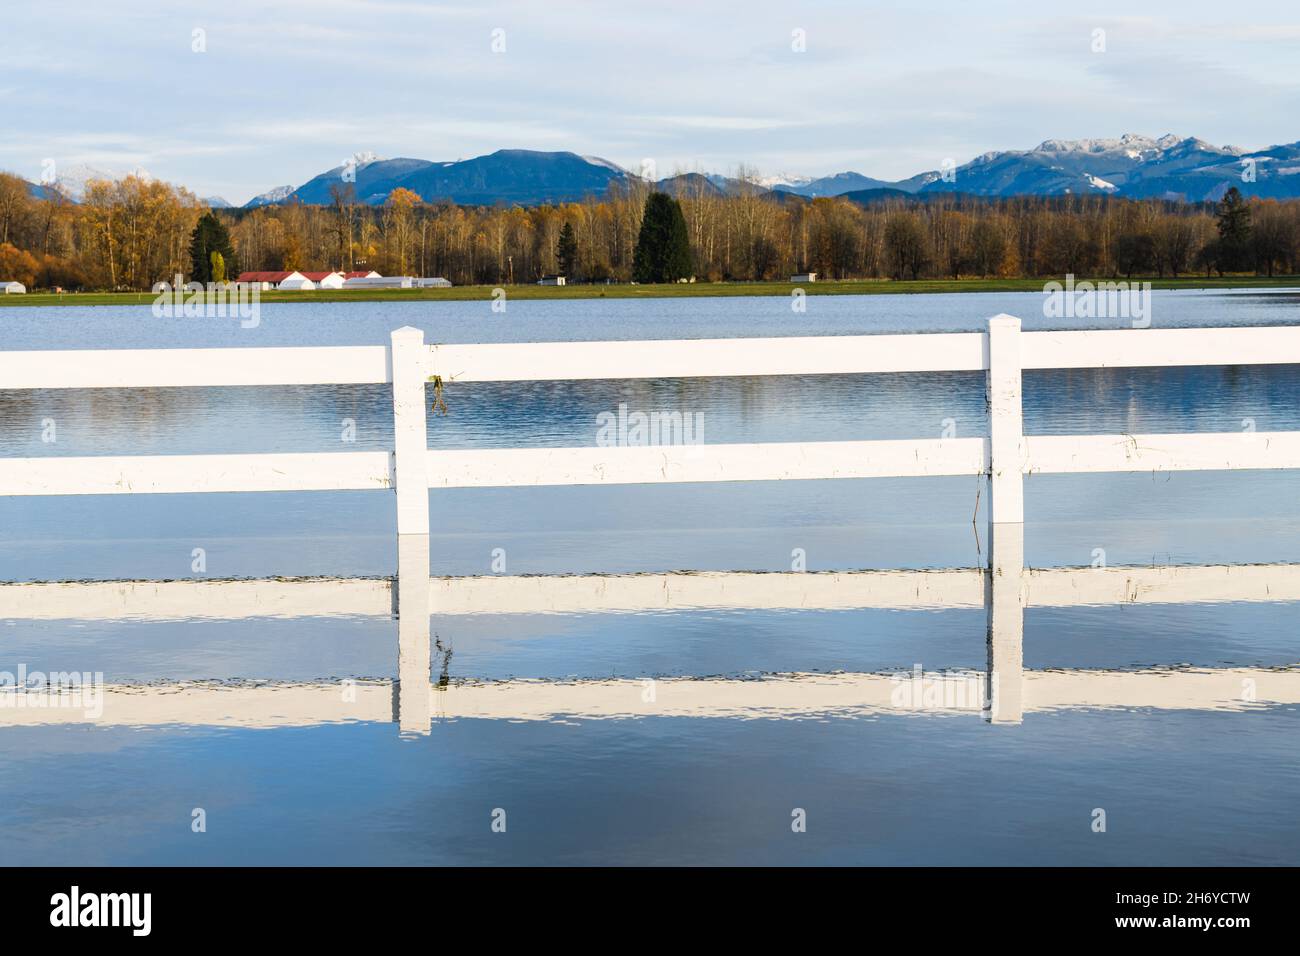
(551, 280)
(266, 281)
(12, 288)
(296, 283)
(326, 280)
(305, 281)
(378, 282)
(434, 283)
(804, 277)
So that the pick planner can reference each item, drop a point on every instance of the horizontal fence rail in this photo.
(1205, 451)
(1156, 348)
(710, 358)
(411, 468)
(176, 368)
(171, 474)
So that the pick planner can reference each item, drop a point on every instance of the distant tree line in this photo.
(132, 233)
(122, 235)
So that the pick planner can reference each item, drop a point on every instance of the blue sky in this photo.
(289, 88)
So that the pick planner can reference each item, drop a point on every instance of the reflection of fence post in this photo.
(1006, 487)
(411, 591)
(410, 442)
(1004, 596)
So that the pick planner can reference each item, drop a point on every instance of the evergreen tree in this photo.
(677, 259)
(210, 235)
(1232, 219)
(663, 249)
(567, 250)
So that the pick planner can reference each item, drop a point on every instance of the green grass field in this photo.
(483, 292)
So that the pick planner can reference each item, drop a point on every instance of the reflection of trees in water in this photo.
(197, 420)
(18, 409)
(1154, 400)
(781, 408)
(830, 407)
(78, 412)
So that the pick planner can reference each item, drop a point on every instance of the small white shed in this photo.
(12, 288)
(297, 283)
(551, 280)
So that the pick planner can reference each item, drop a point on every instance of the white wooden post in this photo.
(410, 444)
(1006, 431)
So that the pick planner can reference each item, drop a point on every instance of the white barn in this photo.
(296, 283)
(12, 288)
(326, 280)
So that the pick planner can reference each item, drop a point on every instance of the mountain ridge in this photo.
(1132, 165)
(1128, 166)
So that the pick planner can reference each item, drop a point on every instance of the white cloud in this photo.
(287, 87)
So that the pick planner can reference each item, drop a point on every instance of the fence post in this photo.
(1006, 427)
(410, 442)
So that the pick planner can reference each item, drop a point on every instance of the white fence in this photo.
(411, 468)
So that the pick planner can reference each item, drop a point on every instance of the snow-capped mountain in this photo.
(72, 179)
(270, 197)
(1167, 166)
(608, 164)
(791, 182)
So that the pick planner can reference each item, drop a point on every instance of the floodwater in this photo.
(636, 713)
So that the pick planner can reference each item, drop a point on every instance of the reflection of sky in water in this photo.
(1180, 786)
(368, 323)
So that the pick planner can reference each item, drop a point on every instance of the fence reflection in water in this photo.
(413, 701)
